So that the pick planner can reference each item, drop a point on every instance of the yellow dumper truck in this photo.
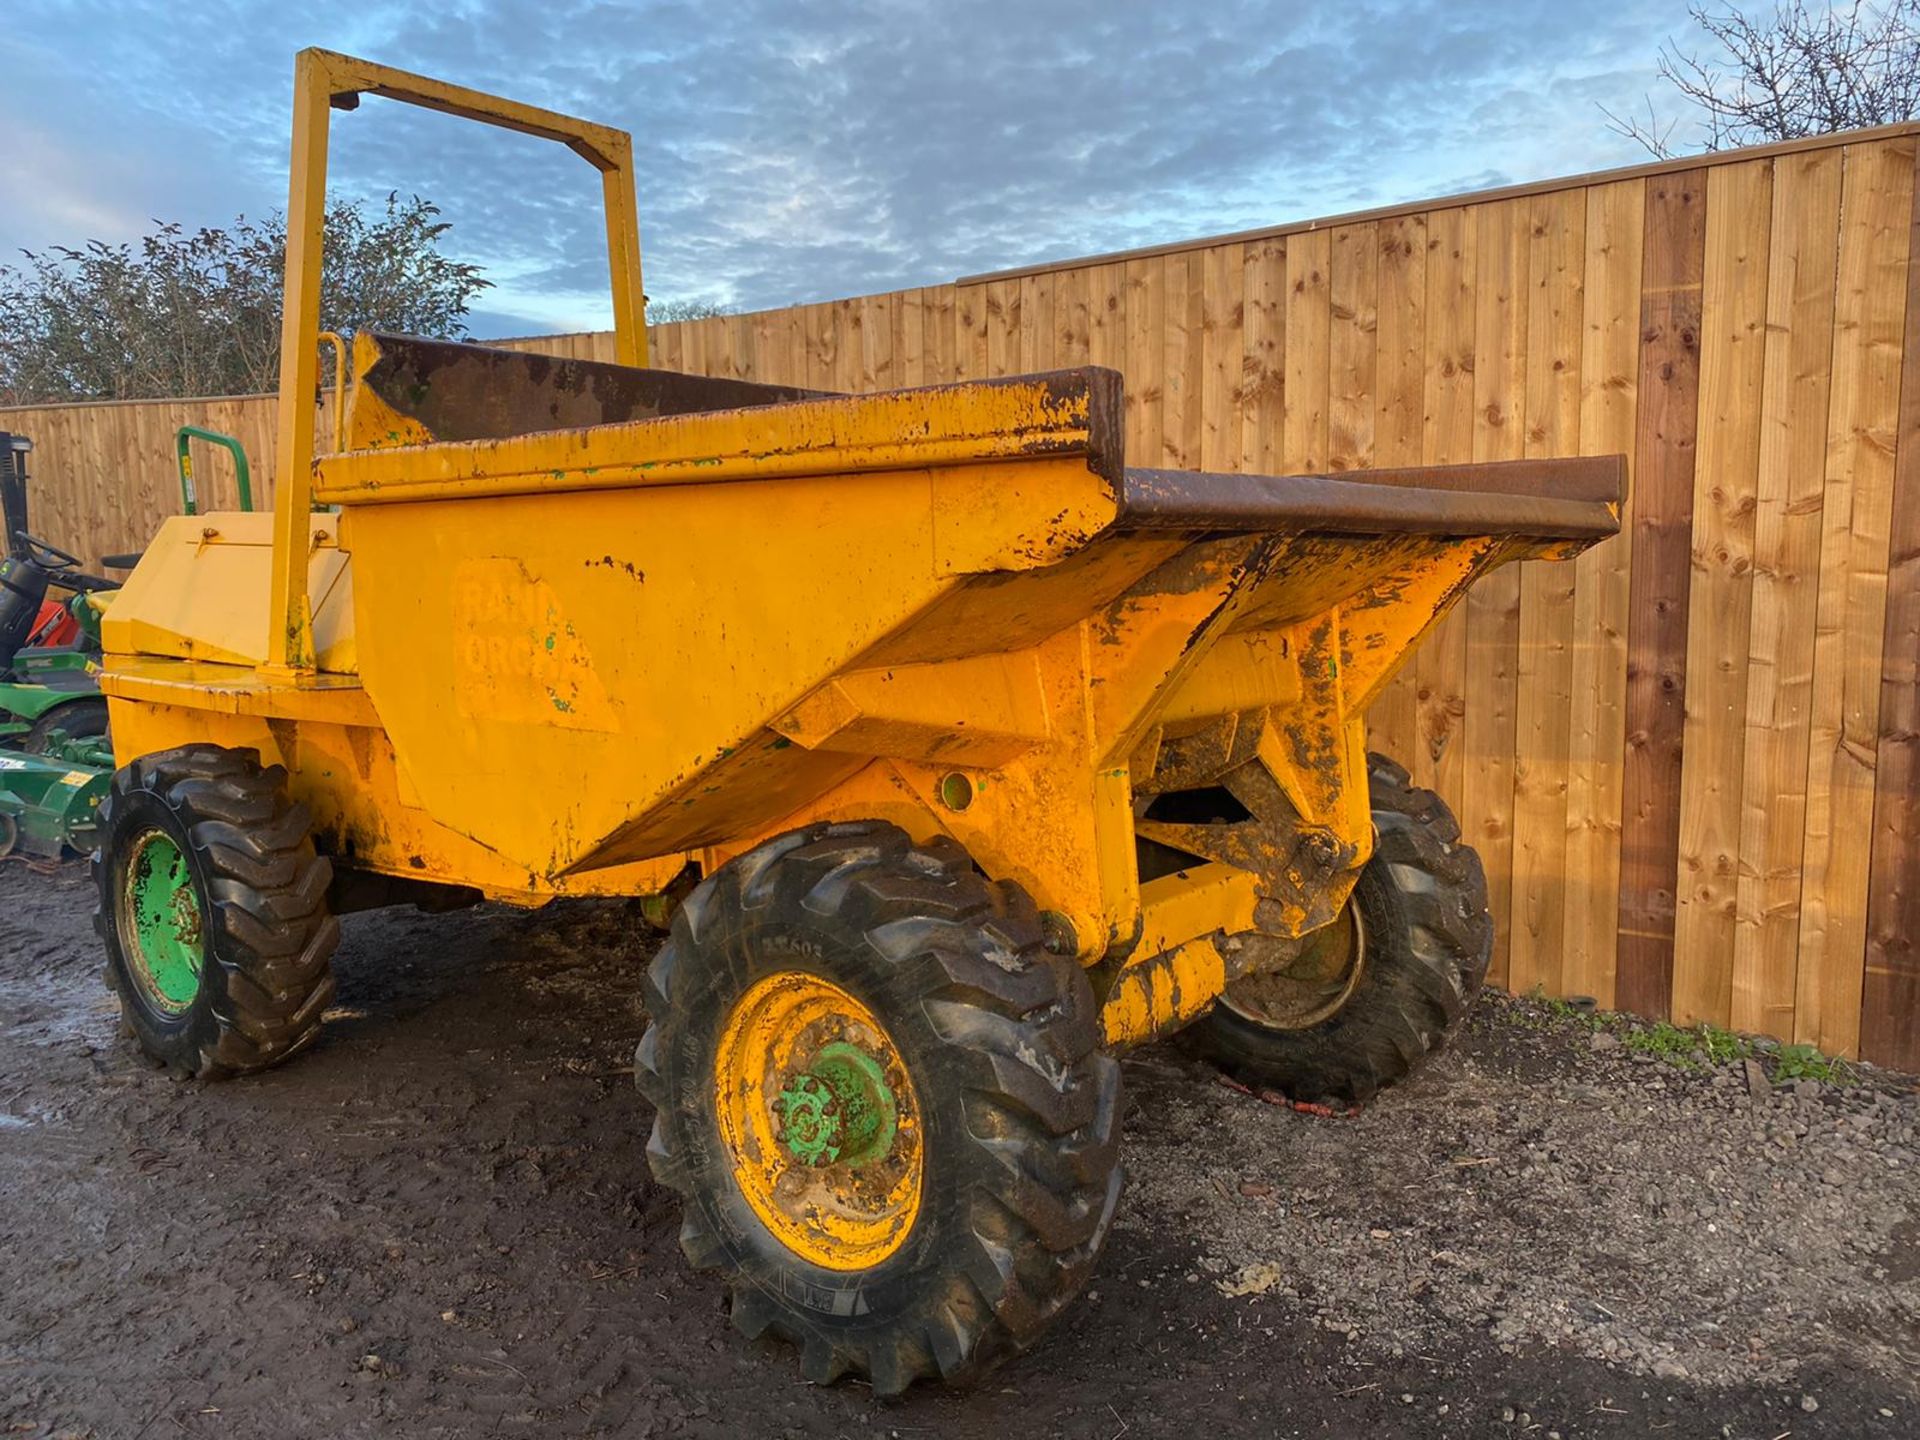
(961, 754)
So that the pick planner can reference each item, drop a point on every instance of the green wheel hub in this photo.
(840, 1110)
(161, 922)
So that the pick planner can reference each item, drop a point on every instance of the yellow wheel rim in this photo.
(820, 1121)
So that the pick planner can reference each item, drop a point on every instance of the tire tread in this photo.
(267, 978)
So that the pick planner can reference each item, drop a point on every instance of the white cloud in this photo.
(792, 152)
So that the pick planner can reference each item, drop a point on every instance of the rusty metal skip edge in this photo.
(567, 628)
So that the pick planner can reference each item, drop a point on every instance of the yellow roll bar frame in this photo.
(324, 81)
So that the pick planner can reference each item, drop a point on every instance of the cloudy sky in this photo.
(799, 151)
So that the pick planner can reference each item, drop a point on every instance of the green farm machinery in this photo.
(55, 753)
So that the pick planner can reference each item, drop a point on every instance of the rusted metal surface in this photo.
(1557, 499)
(1241, 815)
(1292, 987)
(471, 392)
(1063, 414)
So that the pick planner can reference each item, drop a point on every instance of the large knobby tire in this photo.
(213, 907)
(989, 1046)
(1427, 939)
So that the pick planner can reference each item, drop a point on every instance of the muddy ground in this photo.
(439, 1223)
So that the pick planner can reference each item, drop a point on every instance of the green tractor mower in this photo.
(55, 753)
(48, 646)
(56, 759)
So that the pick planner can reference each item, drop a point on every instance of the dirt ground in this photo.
(439, 1223)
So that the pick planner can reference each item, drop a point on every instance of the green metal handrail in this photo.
(181, 445)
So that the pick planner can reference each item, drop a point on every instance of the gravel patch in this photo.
(1549, 1191)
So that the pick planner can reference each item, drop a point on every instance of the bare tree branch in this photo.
(1802, 70)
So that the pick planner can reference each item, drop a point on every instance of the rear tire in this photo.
(76, 719)
(988, 1043)
(212, 904)
(1422, 901)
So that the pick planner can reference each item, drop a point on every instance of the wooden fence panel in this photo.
(1688, 759)
(103, 475)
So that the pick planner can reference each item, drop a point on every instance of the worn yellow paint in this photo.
(1163, 992)
(840, 1217)
(1192, 903)
(342, 765)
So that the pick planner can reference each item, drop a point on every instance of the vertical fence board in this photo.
(998, 343)
(1609, 372)
(1493, 604)
(1033, 331)
(669, 346)
(1733, 335)
(910, 338)
(820, 341)
(1398, 421)
(943, 333)
(1890, 1003)
(1309, 322)
(1222, 355)
(770, 348)
(1675, 244)
(1786, 571)
(1263, 378)
(1048, 329)
(689, 345)
(1146, 361)
(1183, 358)
(1440, 665)
(1107, 334)
(970, 332)
(1876, 191)
(1543, 720)
(878, 368)
(1071, 315)
(1353, 300)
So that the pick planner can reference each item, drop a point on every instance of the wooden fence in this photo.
(1692, 758)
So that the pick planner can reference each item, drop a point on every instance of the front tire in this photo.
(1426, 939)
(883, 1102)
(212, 904)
